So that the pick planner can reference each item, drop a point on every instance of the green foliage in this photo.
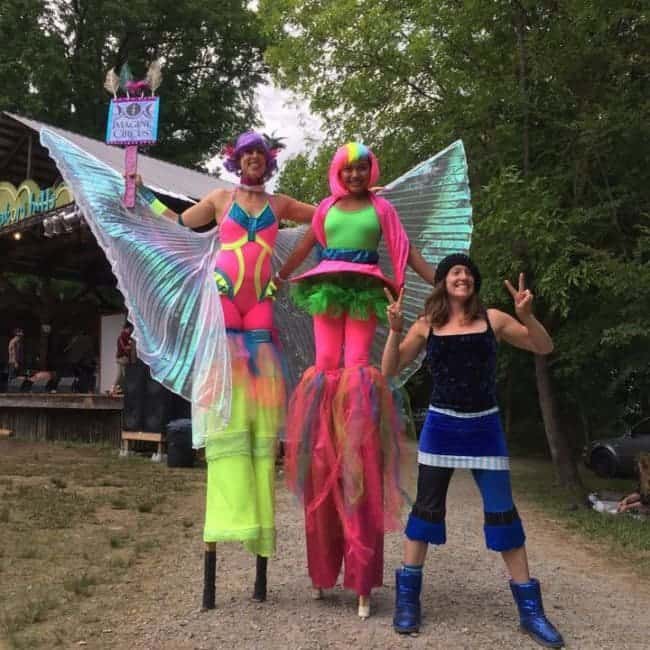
(551, 101)
(305, 178)
(56, 53)
(626, 537)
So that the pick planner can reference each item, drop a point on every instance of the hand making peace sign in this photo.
(394, 310)
(523, 298)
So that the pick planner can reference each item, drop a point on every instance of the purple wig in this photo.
(345, 155)
(245, 142)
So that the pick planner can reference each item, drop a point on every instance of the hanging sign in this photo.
(132, 121)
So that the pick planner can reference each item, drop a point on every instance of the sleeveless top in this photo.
(357, 229)
(464, 370)
(247, 243)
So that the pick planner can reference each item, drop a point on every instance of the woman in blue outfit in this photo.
(463, 430)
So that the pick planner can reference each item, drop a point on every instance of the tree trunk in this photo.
(565, 465)
(586, 429)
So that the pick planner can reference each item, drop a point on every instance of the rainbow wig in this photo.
(246, 141)
(345, 155)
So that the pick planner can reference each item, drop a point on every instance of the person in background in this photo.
(639, 501)
(16, 353)
(125, 356)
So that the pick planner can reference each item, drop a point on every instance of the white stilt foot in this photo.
(364, 607)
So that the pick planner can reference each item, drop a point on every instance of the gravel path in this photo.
(466, 599)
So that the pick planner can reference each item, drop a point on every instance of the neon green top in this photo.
(358, 229)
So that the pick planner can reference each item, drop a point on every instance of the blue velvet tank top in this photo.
(464, 370)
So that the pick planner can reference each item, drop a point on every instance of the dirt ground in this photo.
(122, 568)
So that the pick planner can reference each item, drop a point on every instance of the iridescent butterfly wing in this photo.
(295, 328)
(165, 273)
(433, 201)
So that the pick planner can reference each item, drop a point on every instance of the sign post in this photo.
(132, 119)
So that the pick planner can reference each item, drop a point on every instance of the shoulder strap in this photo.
(226, 210)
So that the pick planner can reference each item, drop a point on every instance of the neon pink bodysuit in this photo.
(243, 267)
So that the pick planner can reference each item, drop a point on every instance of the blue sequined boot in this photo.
(408, 586)
(528, 597)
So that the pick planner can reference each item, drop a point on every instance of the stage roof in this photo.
(20, 134)
(72, 256)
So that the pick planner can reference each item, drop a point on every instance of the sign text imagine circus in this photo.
(132, 120)
(29, 199)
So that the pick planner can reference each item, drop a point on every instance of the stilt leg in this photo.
(209, 576)
(364, 607)
(259, 591)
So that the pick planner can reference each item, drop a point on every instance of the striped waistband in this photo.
(252, 336)
(357, 256)
(463, 414)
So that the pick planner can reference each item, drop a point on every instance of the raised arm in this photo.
(298, 255)
(198, 215)
(208, 208)
(420, 265)
(398, 354)
(526, 333)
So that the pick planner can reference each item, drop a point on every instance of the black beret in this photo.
(456, 259)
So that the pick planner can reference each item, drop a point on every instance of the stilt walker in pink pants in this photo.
(342, 425)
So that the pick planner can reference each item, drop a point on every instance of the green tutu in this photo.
(360, 296)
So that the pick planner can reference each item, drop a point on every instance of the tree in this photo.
(211, 53)
(551, 102)
(305, 178)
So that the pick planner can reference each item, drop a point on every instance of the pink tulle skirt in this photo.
(342, 457)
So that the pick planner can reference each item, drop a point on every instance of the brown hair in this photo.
(436, 306)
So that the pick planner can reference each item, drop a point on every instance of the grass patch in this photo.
(121, 562)
(28, 553)
(146, 546)
(110, 482)
(58, 482)
(56, 534)
(626, 537)
(80, 585)
(119, 541)
(34, 610)
(52, 508)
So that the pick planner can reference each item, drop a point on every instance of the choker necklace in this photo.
(251, 188)
(254, 186)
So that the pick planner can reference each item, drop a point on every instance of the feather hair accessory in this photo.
(112, 82)
(154, 76)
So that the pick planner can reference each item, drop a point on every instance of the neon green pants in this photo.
(241, 476)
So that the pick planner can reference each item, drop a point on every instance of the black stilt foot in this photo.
(259, 591)
(209, 579)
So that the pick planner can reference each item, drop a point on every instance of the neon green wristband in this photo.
(157, 207)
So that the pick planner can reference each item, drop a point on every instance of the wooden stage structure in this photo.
(72, 417)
